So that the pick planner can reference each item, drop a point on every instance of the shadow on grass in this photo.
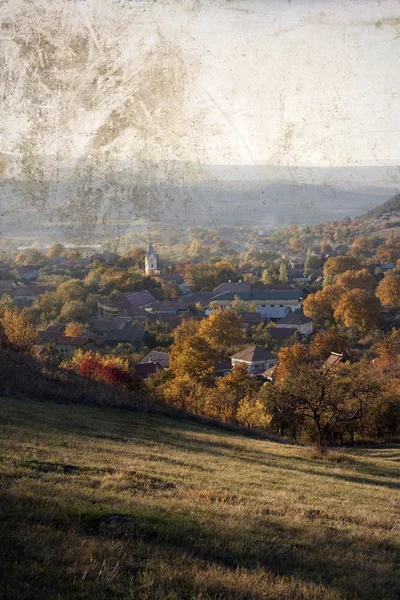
(346, 563)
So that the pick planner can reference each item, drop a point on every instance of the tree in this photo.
(320, 306)
(222, 329)
(56, 249)
(339, 264)
(17, 330)
(283, 274)
(231, 390)
(6, 303)
(270, 275)
(74, 310)
(31, 256)
(389, 251)
(73, 289)
(351, 279)
(388, 290)
(361, 244)
(358, 309)
(74, 329)
(312, 263)
(325, 247)
(291, 361)
(326, 399)
(326, 342)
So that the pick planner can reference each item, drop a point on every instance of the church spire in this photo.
(150, 259)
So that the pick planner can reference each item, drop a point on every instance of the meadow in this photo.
(107, 503)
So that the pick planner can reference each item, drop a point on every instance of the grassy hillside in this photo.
(108, 503)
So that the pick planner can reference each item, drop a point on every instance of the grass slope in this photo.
(107, 503)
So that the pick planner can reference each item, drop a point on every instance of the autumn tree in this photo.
(321, 305)
(30, 256)
(325, 247)
(351, 279)
(74, 329)
(388, 290)
(389, 251)
(232, 389)
(17, 330)
(361, 244)
(339, 264)
(358, 309)
(56, 249)
(222, 329)
(325, 399)
(326, 342)
(387, 348)
(291, 361)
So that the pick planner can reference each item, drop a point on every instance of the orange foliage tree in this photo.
(388, 290)
(358, 309)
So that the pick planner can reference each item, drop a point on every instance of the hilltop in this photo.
(106, 503)
(390, 206)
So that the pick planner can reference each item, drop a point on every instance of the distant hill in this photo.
(390, 206)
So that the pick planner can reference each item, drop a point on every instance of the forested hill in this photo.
(390, 206)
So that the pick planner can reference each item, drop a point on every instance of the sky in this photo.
(93, 88)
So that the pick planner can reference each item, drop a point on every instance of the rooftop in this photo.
(297, 317)
(254, 354)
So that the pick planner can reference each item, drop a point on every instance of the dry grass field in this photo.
(105, 503)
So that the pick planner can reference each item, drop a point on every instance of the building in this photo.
(150, 261)
(255, 358)
(155, 356)
(68, 344)
(297, 320)
(144, 370)
(274, 304)
(29, 272)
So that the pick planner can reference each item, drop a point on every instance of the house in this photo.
(29, 272)
(342, 249)
(386, 266)
(297, 320)
(256, 359)
(52, 333)
(274, 304)
(136, 336)
(298, 261)
(336, 358)
(125, 302)
(68, 344)
(270, 374)
(251, 319)
(162, 358)
(103, 326)
(235, 287)
(144, 370)
(281, 335)
(223, 368)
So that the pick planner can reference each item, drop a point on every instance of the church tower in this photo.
(150, 262)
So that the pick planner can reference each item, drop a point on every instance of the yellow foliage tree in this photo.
(18, 331)
(74, 329)
(291, 361)
(222, 329)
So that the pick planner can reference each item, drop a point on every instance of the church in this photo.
(150, 261)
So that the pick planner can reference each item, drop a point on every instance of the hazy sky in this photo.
(110, 109)
(313, 82)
